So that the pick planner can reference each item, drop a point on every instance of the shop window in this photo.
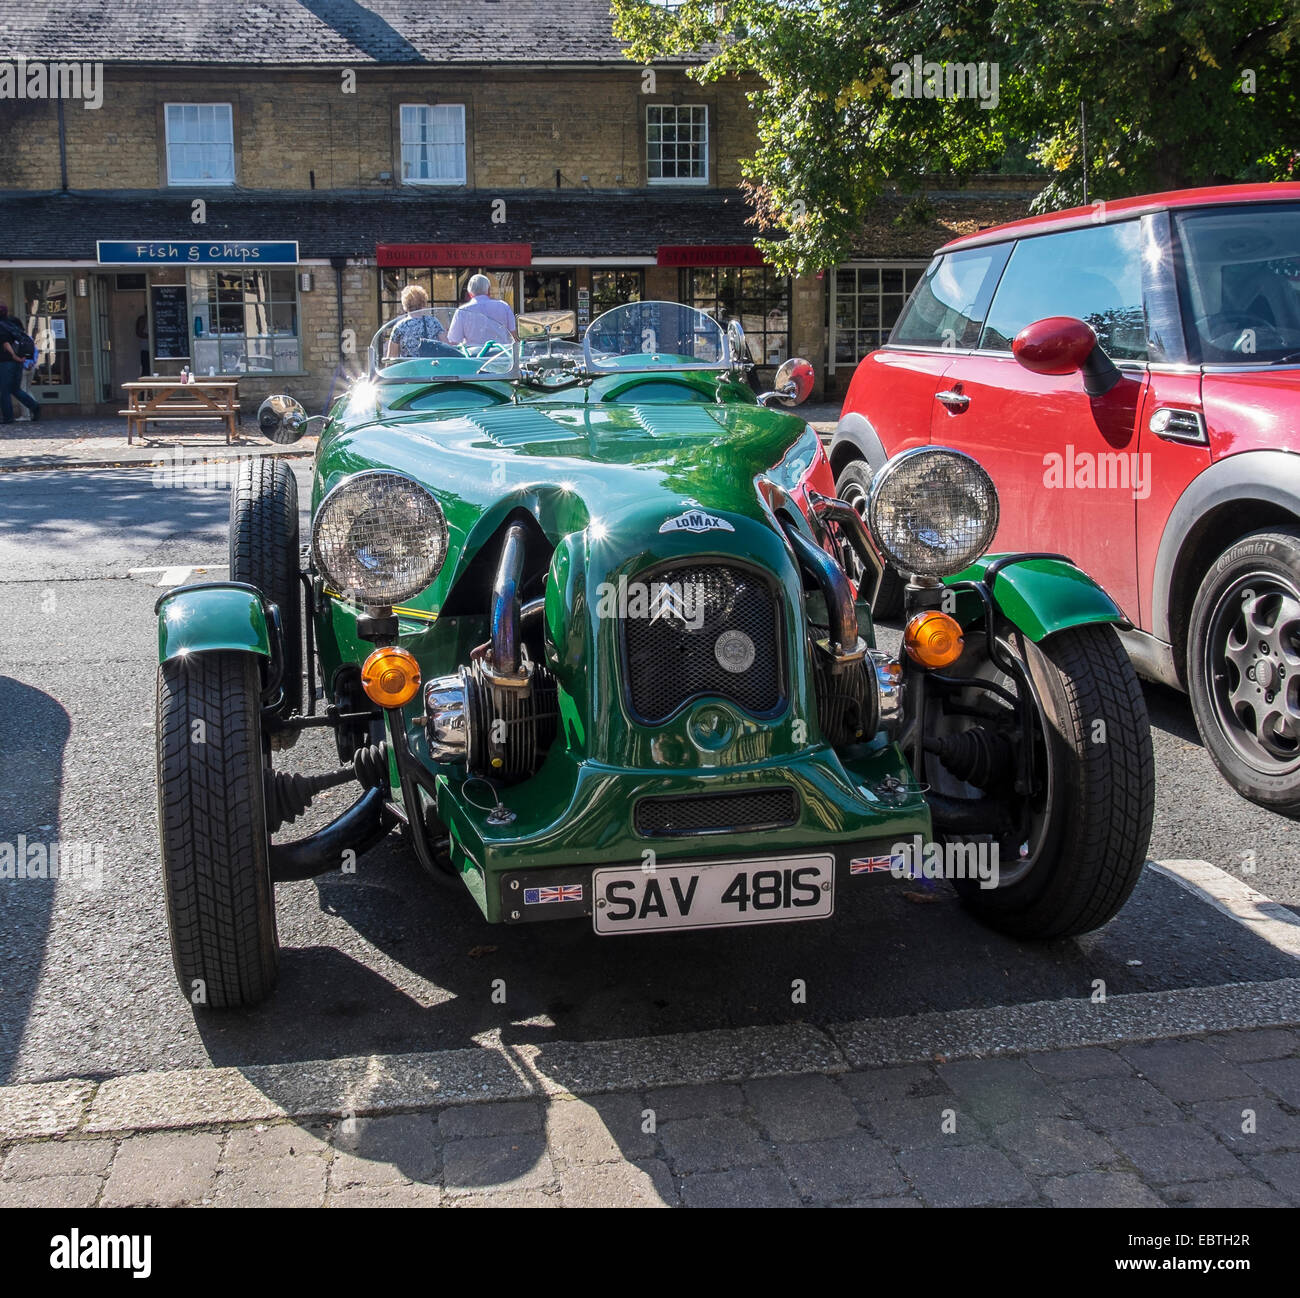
(444, 285)
(867, 301)
(611, 288)
(756, 295)
(245, 321)
(200, 144)
(433, 144)
(677, 144)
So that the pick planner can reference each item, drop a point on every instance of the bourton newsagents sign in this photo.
(200, 252)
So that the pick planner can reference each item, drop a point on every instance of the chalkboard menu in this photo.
(171, 328)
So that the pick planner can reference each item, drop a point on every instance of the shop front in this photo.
(218, 307)
(586, 286)
(444, 270)
(731, 281)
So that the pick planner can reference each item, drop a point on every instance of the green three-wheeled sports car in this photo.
(591, 629)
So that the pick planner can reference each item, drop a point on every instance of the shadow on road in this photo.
(32, 739)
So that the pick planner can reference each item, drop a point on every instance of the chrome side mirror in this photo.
(739, 349)
(282, 419)
(793, 384)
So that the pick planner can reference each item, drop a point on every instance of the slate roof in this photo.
(567, 223)
(891, 230)
(322, 32)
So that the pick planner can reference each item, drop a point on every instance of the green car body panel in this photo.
(1040, 596)
(210, 618)
(600, 472)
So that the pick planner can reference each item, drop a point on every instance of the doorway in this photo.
(128, 332)
(548, 290)
(121, 331)
(45, 314)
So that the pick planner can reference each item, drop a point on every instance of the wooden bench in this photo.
(153, 401)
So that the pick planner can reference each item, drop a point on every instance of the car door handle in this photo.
(954, 399)
(1173, 424)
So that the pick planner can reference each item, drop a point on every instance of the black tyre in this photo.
(264, 553)
(1090, 816)
(212, 830)
(1243, 667)
(853, 486)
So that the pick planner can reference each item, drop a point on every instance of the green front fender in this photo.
(199, 619)
(1040, 596)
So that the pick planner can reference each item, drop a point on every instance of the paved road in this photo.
(386, 961)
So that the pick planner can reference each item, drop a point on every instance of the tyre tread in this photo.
(211, 822)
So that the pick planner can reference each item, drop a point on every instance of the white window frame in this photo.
(676, 180)
(403, 144)
(196, 144)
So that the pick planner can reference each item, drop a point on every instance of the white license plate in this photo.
(630, 899)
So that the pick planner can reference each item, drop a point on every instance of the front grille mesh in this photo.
(669, 661)
(713, 812)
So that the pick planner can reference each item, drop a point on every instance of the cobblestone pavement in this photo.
(1205, 1121)
(101, 442)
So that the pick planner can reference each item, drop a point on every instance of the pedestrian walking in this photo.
(16, 351)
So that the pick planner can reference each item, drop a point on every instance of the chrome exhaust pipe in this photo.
(845, 644)
(505, 604)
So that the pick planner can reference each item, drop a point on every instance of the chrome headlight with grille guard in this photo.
(932, 511)
(379, 538)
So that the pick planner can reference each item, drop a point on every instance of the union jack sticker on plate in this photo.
(560, 892)
(874, 864)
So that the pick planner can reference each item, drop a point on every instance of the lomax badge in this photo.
(696, 520)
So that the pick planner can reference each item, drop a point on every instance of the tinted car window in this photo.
(1242, 281)
(1094, 274)
(947, 307)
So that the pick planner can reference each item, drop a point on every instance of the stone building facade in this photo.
(250, 199)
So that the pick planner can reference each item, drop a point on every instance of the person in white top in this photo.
(483, 319)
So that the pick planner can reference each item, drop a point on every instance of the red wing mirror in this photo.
(1060, 344)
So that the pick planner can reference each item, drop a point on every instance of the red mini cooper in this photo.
(1129, 373)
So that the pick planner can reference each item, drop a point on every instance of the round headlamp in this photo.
(932, 511)
(379, 538)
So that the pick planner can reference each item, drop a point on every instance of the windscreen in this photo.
(656, 336)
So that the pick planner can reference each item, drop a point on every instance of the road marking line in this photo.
(175, 576)
(1267, 919)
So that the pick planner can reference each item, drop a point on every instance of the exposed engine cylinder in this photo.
(511, 727)
(846, 700)
(857, 700)
(498, 730)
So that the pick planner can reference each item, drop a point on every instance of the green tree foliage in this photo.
(1174, 93)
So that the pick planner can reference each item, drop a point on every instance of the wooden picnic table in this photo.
(167, 400)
